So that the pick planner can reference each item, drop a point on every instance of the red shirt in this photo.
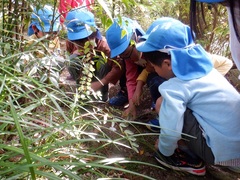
(66, 5)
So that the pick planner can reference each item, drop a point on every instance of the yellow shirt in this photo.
(143, 76)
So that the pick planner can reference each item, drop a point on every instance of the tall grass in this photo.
(45, 133)
(49, 133)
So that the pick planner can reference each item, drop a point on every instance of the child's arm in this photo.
(131, 75)
(141, 81)
(138, 92)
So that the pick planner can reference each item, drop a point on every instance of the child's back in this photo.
(215, 104)
(196, 100)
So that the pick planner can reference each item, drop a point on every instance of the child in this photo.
(199, 108)
(45, 21)
(121, 37)
(220, 63)
(81, 29)
(43, 38)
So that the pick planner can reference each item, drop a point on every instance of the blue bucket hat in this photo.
(43, 19)
(210, 1)
(154, 24)
(119, 34)
(80, 24)
(189, 60)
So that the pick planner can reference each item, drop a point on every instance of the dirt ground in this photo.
(146, 144)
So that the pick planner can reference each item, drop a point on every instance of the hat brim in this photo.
(211, 1)
(145, 47)
(120, 49)
(30, 30)
(48, 28)
(143, 38)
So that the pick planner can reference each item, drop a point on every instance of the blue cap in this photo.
(154, 24)
(80, 24)
(210, 1)
(189, 61)
(119, 34)
(167, 33)
(43, 19)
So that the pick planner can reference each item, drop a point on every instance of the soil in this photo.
(146, 143)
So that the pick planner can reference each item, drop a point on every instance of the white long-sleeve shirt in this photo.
(215, 104)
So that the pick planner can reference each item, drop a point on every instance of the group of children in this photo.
(197, 107)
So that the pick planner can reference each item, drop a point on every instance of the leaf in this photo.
(132, 139)
(7, 46)
(86, 45)
(104, 57)
(123, 125)
(86, 50)
(123, 33)
(134, 144)
(44, 77)
(135, 149)
(128, 132)
(54, 82)
(33, 71)
(91, 68)
(28, 109)
(104, 6)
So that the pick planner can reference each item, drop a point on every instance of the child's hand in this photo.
(96, 85)
(138, 92)
(136, 97)
(130, 113)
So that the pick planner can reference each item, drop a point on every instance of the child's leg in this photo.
(197, 144)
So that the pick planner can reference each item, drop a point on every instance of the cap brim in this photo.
(120, 49)
(211, 1)
(145, 47)
(47, 28)
(144, 37)
(30, 30)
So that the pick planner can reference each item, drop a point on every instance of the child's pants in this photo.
(197, 144)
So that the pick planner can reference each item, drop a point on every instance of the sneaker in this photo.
(153, 125)
(181, 161)
(119, 100)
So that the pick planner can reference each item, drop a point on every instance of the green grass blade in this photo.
(22, 139)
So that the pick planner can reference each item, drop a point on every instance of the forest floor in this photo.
(146, 145)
